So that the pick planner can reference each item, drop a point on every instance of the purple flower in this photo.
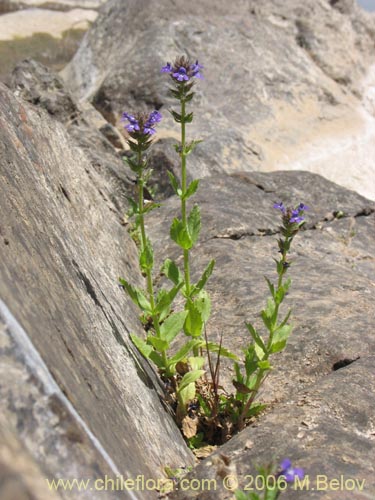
(288, 472)
(280, 207)
(195, 69)
(296, 219)
(133, 125)
(301, 206)
(143, 124)
(167, 68)
(182, 70)
(291, 215)
(181, 75)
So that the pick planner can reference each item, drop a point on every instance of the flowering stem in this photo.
(183, 189)
(150, 286)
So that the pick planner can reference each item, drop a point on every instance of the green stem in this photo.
(183, 189)
(260, 375)
(150, 286)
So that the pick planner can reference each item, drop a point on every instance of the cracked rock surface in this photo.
(320, 394)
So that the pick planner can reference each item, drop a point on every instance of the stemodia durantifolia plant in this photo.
(204, 410)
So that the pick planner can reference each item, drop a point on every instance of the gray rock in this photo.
(318, 415)
(40, 86)
(289, 85)
(332, 268)
(327, 430)
(62, 248)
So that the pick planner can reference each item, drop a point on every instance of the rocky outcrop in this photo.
(62, 249)
(328, 430)
(332, 272)
(319, 408)
(288, 86)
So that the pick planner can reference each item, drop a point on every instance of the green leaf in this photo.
(157, 360)
(206, 274)
(270, 286)
(177, 117)
(164, 301)
(180, 234)
(141, 345)
(189, 378)
(256, 337)
(192, 188)
(285, 320)
(133, 207)
(137, 296)
(187, 394)
(240, 495)
(146, 257)
(150, 206)
(204, 405)
(182, 353)
(198, 314)
(194, 224)
(191, 146)
(189, 118)
(280, 338)
(196, 362)
(212, 347)
(259, 351)
(172, 272)
(189, 97)
(264, 365)
(172, 326)
(174, 183)
(159, 344)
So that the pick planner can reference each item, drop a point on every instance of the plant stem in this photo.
(183, 189)
(150, 286)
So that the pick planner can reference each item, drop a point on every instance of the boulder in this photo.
(319, 409)
(332, 268)
(93, 405)
(327, 430)
(288, 86)
(37, 84)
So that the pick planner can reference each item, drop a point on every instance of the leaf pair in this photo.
(187, 236)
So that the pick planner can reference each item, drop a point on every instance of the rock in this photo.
(327, 430)
(20, 477)
(289, 86)
(332, 268)
(62, 248)
(42, 87)
(321, 391)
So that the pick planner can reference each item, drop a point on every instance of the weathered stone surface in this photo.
(62, 249)
(329, 430)
(20, 476)
(332, 273)
(38, 85)
(318, 415)
(289, 86)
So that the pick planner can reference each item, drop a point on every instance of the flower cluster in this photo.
(142, 124)
(183, 70)
(288, 472)
(292, 215)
